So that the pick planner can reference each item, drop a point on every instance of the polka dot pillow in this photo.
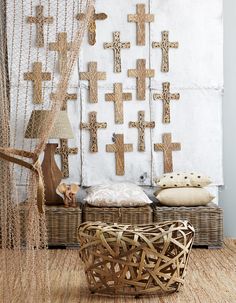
(183, 180)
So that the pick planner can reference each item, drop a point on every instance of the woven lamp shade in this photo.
(61, 129)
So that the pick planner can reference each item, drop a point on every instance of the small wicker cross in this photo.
(66, 99)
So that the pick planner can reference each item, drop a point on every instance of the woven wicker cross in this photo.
(141, 18)
(118, 97)
(165, 45)
(64, 151)
(119, 148)
(93, 127)
(141, 73)
(141, 124)
(37, 76)
(167, 147)
(117, 45)
(92, 24)
(93, 76)
(66, 99)
(62, 47)
(39, 20)
(166, 97)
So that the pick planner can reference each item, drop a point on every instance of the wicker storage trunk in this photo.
(207, 221)
(62, 224)
(125, 215)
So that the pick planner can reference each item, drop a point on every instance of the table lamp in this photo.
(61, 130)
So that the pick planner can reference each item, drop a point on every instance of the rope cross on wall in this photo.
(92, 24)
(141, 18)
(167, 147)
(93, 76)
(64, 151)
(93, 127)
(37, 76)
(62, 47)
(141, 73)
(117, 45)
(141, 124)
(166, 97)
(67, 98)
(119, 148)
(165, 45)
(39, 20)
(118, 97)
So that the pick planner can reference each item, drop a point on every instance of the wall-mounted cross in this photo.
(166, 97)
(64, 151)
(165, 45)
(119, 148)
(118, 97)
(66, 99)
(39, 21)
(93, 127)
(117, 45)
(93, 76)
(167, 147)
(141, 18)
(37, 76)
(62, 47)
(92, 24)
(141, 73)
(141, 124)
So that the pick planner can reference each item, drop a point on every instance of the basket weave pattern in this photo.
(135, 260)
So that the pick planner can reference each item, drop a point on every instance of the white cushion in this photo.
(117, 195)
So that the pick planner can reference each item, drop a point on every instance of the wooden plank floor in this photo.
(211, 278)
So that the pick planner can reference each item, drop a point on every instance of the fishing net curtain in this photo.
(23, 45)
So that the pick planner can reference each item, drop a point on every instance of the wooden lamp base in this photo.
(52, 175)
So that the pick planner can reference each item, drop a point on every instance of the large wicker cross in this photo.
(93, 76)
(167, 147)
(37, 76)
(141, 73)
(117, 45)
(141, 124)
(92, 24)
(64, 151)
(165, 45)
(141, 18)
(93, 127)
(66, 99)
(40, 21)
(119, 148)
(118, 97)
(166, 97)
(62, 47)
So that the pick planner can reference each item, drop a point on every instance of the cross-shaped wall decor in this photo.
(117, 45)
(141, 73)
(119, 148)
(62, 47)
(93, 127)
(165, 45)
(141, 124)
(66, 99)
(37, 76)
(64, 151)
(93, 76)
(167, 147)
(118, 97)
(40, 21)
(92, 24)
(166, 97)
(141, 18)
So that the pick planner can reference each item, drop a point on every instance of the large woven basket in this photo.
(207, 221)
(124, 215)
(62, 224)
(135, 260)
